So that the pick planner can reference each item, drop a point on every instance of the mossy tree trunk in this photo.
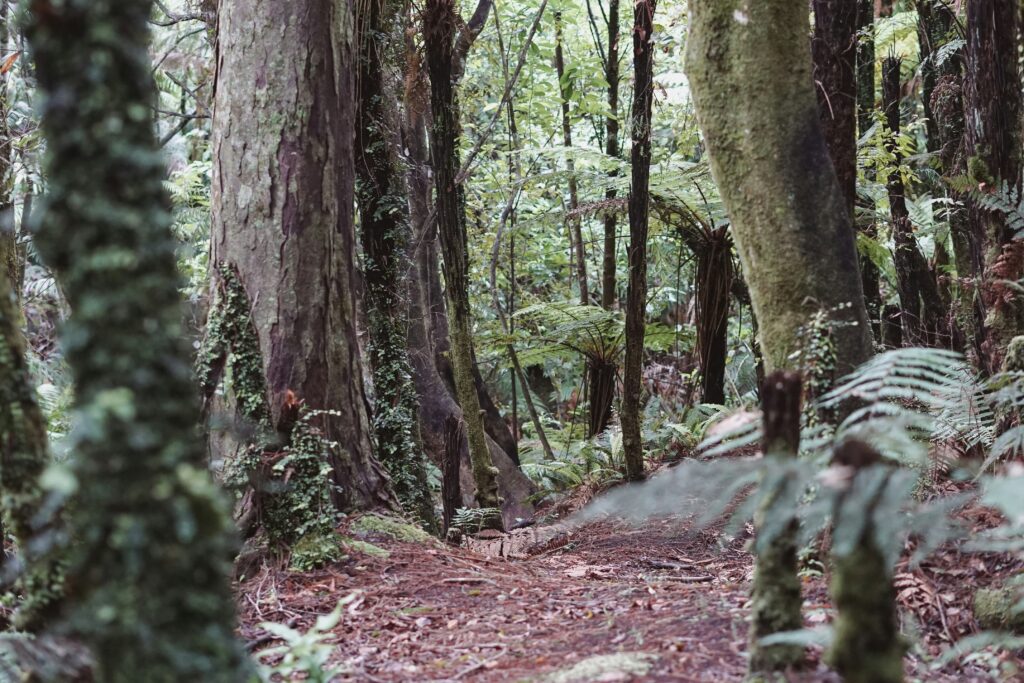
(428, 321)
(639, 210)
(775, 596)
(443, 63)
(992, 102)
(283, 220)
(750, 70)
(384, 231)
(148, 586)
(867, 647)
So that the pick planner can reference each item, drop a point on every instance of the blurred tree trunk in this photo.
(750, 69)
(283, 222)
(444, 64)
(992, 101)
(385, 230)
(148, 574)
(639, 207)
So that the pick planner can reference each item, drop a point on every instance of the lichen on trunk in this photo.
(749, 67)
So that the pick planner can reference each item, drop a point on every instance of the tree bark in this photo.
(834, 50)
(573, 221)
(775, 596)
(750, 70)
(283, 203)
(714, 283)
(923, 310)
(152, 537)
(440, 23)
(611, 72)
(639, 206)
(865, 119)
(384, 232)
(992, 101)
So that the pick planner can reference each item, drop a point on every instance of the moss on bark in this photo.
(750, 69)
(148, 588)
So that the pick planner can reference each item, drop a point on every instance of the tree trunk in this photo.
(714, 282)
(440, 23)
(428, 323)
(750, 70)
(639, 201)
(282, 219)
(573, 221)
(865, 119)
(152, 536)
(918, 290)
(611, 142)
(384, 231)
(775, 596)
(992, 100)
(834, 49)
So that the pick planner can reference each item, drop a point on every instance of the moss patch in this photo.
(316, 549)
(1000, 608)
(605, 668)
(366, 548)
(398, 530)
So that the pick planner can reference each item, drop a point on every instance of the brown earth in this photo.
(429, 612)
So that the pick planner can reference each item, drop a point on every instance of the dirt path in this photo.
(652, 604)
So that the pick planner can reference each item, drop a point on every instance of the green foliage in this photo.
(305, 654)
(373, 525)
(316, 549)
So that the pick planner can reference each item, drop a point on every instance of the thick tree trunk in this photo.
(573, 221)
(384, 231)
(639, 206)
(992, 100)
(152, 538)
(750, 70)
(440, 23)
(282, 218)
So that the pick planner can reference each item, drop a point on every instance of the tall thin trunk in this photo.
(611, 148)
(639, 201)
(919, 294)
(10, 259)
(283, 197)
(714, 281)
(573, 221)
(384, 231)
(992, 100)
(440, 21)
(750, 69)
(865, 119)
(152, 546)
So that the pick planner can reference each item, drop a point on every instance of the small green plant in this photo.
(306, 654)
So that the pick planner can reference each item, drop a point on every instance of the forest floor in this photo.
(606, 602)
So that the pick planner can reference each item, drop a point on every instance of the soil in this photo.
(666, 596)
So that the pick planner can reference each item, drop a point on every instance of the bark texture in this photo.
(865, 119)
(611, 148)
(384, 231)
(639, 209)
(992, 101)
(775, 596)
(440, 22)
(750, 69)
(283, 216)
(148, 571)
